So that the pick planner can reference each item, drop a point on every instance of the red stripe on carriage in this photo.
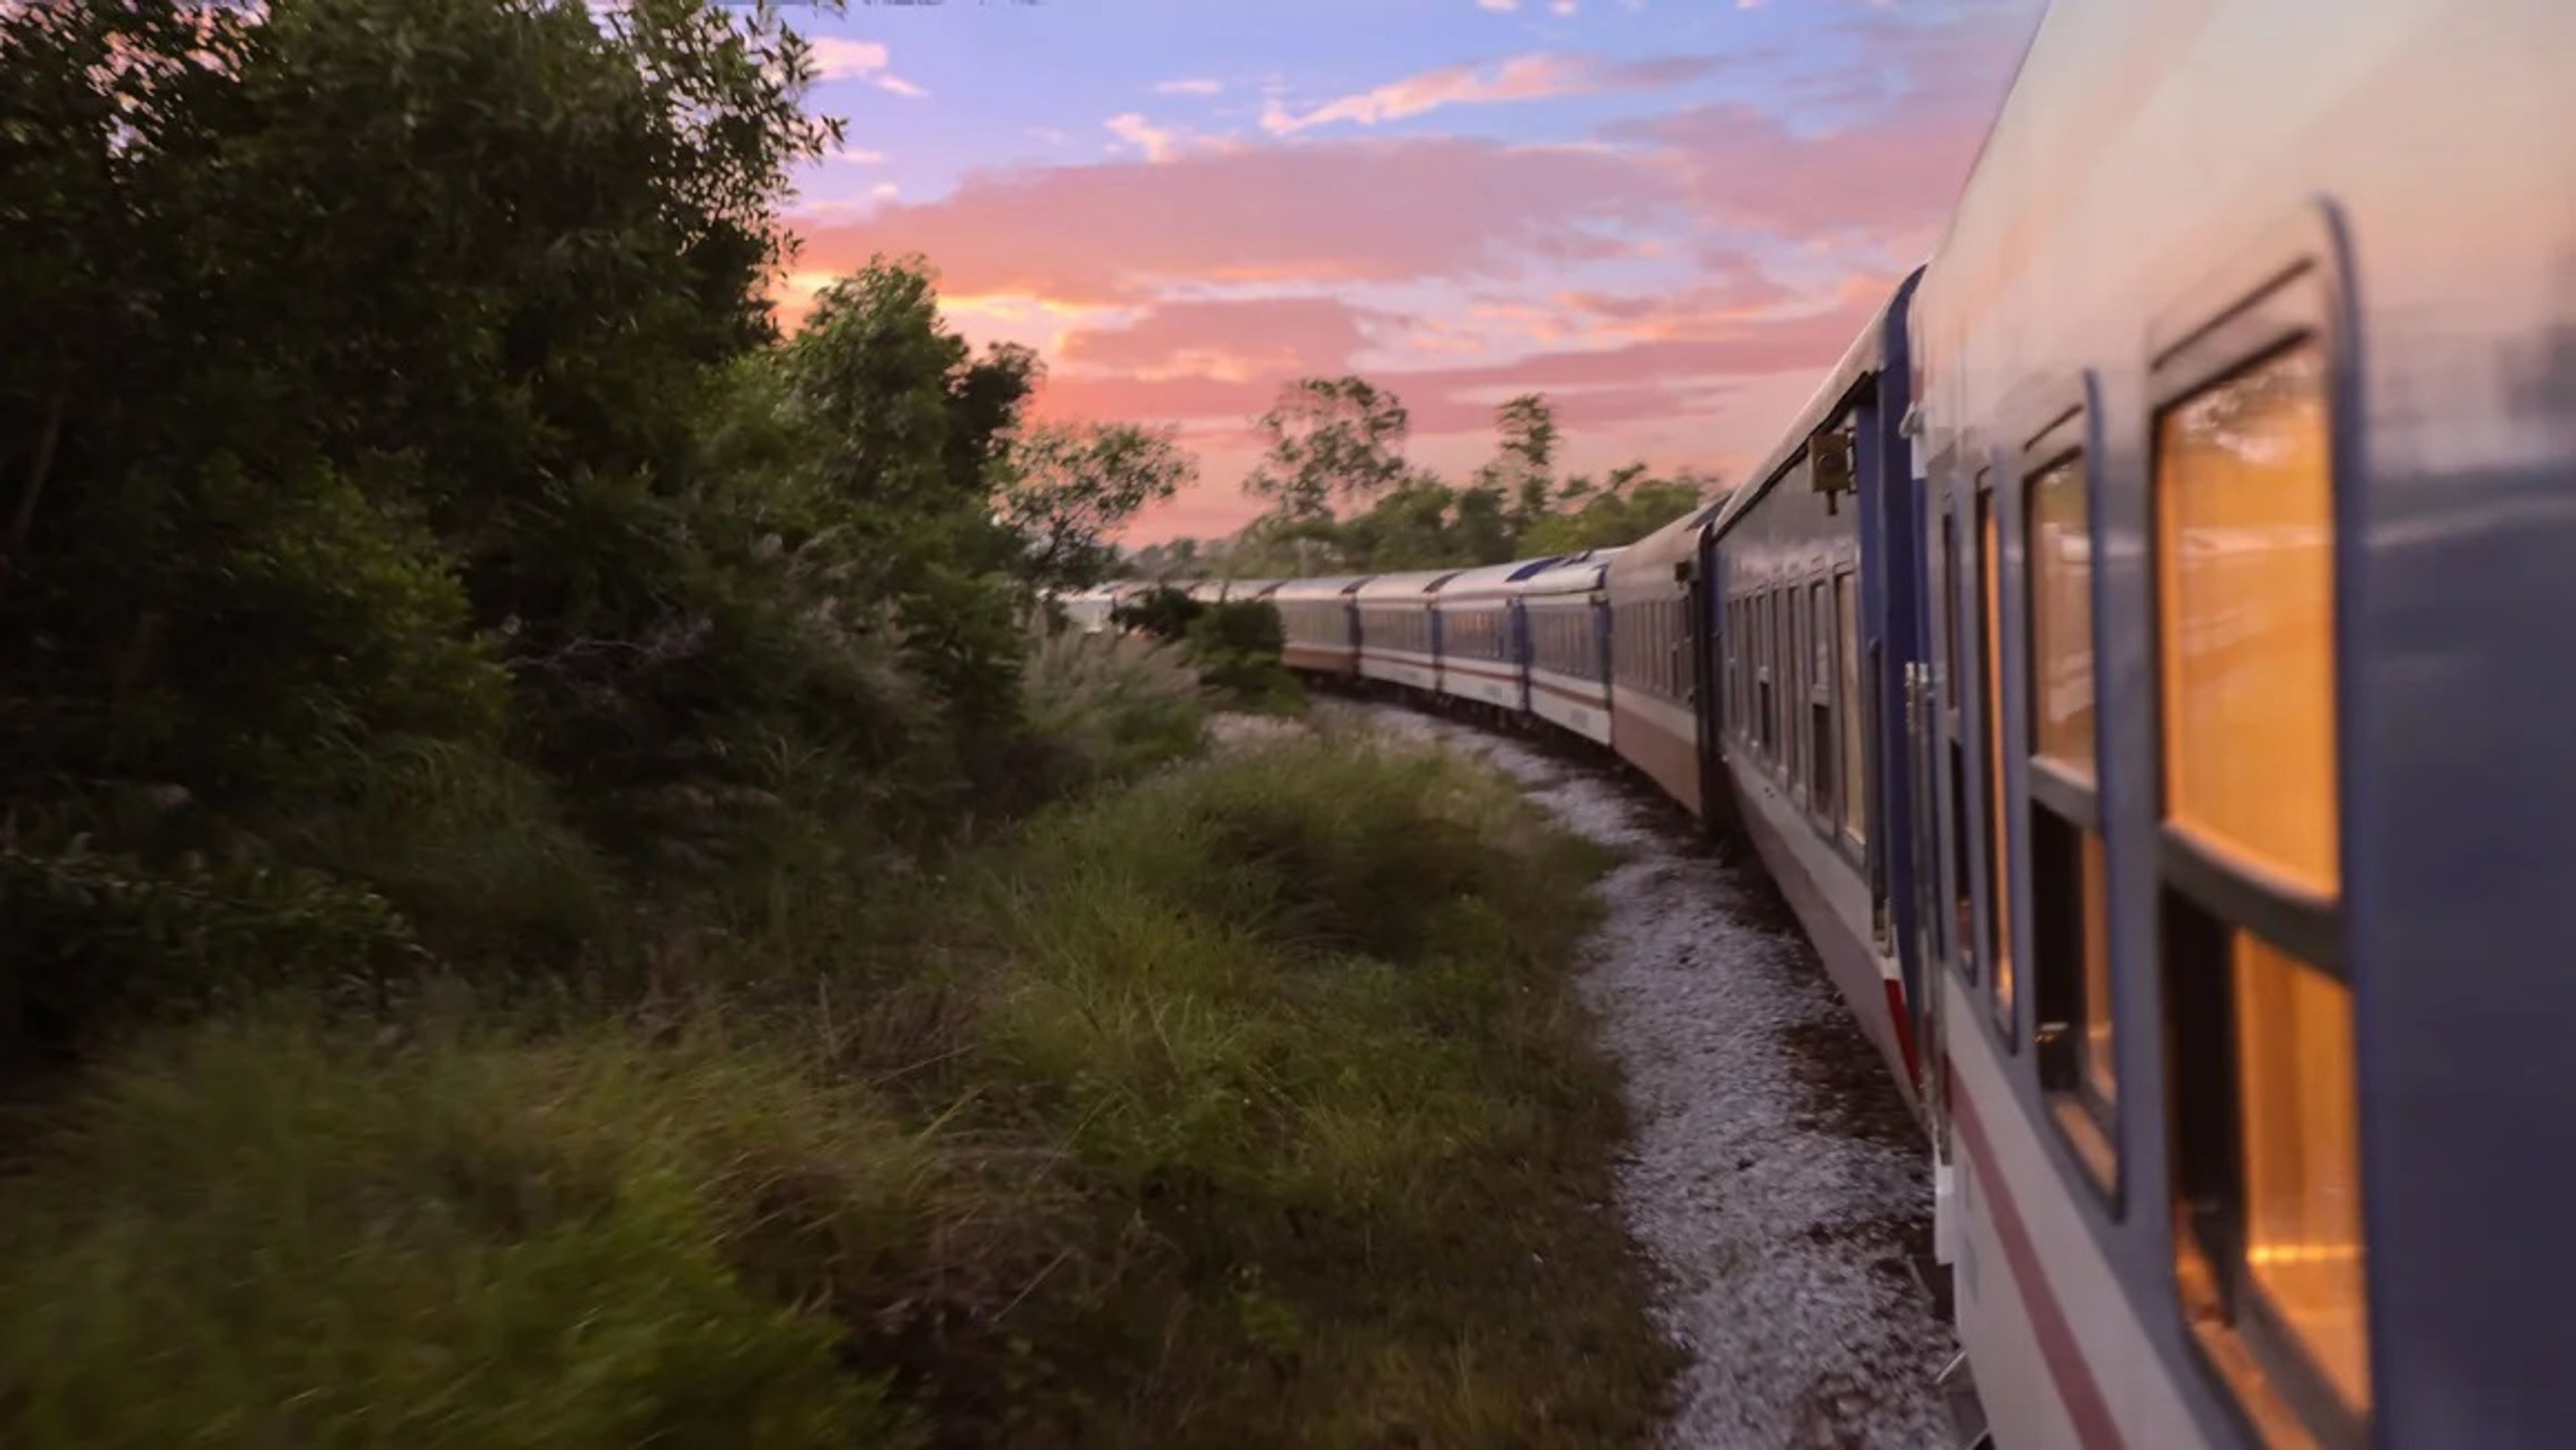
(2094, 1427)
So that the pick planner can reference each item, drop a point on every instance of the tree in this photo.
(367, 351)
(911, 441)
(1070, 486)
(1331, 440)
(1523, 468)
(296, 360)
(1629, 505)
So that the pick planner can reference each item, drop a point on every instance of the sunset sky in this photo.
(1666, 215)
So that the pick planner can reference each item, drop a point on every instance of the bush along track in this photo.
(1248, 1106)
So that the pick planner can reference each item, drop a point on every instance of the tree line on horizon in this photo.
(1343, 498)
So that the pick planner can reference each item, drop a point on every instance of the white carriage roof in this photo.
(1491, 580)
(1411, 585)
(1574, 574)
(1657, 552)
(1329, 586)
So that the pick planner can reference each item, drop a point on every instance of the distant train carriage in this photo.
(1565, 634)
(1480, 634)
(1088, 610)
(1399, 635)
(1319, 624)
(1654, 675)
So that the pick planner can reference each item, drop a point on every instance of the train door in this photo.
(1943, 864)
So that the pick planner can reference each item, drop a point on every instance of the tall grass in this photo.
(1306, 1011)
(1107, 707)
(1245, 1105)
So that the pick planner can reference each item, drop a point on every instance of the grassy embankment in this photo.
(1245, 1105)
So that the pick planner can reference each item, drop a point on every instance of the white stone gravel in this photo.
(1773, 1175)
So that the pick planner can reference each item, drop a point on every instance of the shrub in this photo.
(1236, 646)
(1162, 612)
(94, 932)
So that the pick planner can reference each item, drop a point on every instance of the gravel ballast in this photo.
(1774, 1176)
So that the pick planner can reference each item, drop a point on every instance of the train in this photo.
(2132, 665)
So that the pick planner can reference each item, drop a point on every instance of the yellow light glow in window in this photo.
(2247, 575)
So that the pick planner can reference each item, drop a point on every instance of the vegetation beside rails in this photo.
(1247, 1106)
(557, 887)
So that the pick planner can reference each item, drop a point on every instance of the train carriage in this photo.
(1399, 635)
(1655, 670)
(2245, 448)
(1565, 631)
(1479, 635)
(1089, 610)
(1319, 624)
(1812, 626)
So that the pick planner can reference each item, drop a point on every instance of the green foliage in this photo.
(1253, 1105)
(456, 1240)
(88, 928)
(1627, 508)
(1161, 613)
(424, 571)
(1107, 707)
(377, 341)
(1071, 485)
(421, 493)
(1306, 1009)
(1328, 431)
(1330, 440)
(1236, 646)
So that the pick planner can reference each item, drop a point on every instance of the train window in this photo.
(1744, 647)
(1847, 642)
(1793, 669)
(1766, 639)
(2070, 968)
(1950, 607)
(2270, 1180)
(1998, 857)
(1821, 748)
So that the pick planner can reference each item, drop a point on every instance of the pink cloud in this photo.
(1352, 211)
(1277, 336)
(1443, 399)
(1522, 78)
(1892, 180)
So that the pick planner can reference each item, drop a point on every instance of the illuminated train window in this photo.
(1990, 691)
(2268, 1135)
(2070, 967)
